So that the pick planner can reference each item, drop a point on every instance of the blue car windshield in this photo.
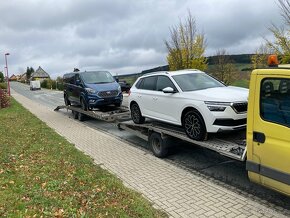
(97, 77)
(196, 81)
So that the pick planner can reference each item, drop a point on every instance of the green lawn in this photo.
(42, 174)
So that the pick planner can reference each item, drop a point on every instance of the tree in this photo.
(281, 45)
(225, 69)
(29, 71)
(259, 59)
(186, 47)
(1, 77)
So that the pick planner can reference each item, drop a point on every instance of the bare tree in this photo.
(225, 69)
(281, 45)
(186, 47)
(285, 10)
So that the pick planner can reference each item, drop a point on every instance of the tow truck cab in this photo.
(268, 128)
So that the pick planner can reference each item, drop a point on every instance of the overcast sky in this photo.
(122, 36)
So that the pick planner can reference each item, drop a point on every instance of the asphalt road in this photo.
(209, 163)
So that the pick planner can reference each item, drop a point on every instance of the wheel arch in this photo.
(191, 108)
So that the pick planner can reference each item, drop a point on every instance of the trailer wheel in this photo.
(159, 145)
(75, 114)
(81, 117)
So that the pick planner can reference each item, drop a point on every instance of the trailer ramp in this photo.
(109, 114)
(232, 145)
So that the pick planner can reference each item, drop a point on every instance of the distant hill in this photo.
(240, 58)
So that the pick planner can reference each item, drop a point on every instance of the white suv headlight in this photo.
(90, 91)
(217, 106)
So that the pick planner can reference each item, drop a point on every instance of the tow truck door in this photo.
(271, 132)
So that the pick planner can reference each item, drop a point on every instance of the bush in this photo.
(44, 84)
(3, 86)
(4, 99)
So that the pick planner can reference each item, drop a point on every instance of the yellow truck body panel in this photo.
(268, 129)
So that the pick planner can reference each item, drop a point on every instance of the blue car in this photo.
(91, 89)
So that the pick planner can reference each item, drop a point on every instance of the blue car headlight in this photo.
(90, 91)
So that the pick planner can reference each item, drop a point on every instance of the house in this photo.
(12, 78)
(39, 74)
(23, 77)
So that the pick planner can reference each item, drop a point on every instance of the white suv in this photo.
(189, 98)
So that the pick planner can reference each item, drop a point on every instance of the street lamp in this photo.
(8, 84)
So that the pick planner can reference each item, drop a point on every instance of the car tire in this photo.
(194, 126)
(81, 116)
(159, 146)
(84, 104)
(136, 114)
(66, 101)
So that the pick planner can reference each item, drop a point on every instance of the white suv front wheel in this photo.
(194, 126)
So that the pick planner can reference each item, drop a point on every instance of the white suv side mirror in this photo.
(168, 90)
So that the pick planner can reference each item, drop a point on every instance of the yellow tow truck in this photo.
(268, 127)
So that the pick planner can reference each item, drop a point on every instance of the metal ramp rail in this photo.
(109, 114)
(232, 146)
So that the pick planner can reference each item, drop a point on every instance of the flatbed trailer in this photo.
(109, 114)
(159, 135)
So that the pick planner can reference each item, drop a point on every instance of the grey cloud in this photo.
(125, 36)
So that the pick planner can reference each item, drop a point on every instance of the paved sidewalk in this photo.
(177, 191)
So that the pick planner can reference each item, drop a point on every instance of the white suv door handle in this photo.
(139, 96)
(155, 98)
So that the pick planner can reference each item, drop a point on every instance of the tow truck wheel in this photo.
(136, 114)
(159, 145)
(194, 126)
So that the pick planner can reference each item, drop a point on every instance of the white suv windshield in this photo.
(97, 77)
(196, 81)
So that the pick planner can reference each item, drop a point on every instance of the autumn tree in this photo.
(224, 69)
(186, 46)
(281, 44)
(259, 59)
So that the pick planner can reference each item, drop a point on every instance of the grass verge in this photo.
(41, 174)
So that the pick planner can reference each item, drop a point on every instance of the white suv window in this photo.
(148, 83)
(163, 82)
